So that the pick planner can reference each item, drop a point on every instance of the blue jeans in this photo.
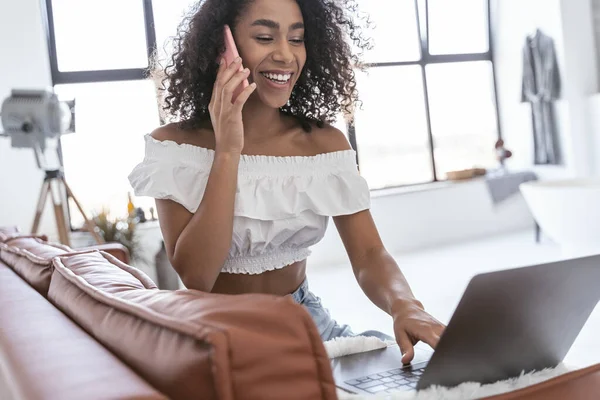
(327, 326)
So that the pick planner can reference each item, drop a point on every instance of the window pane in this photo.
(394, 31)
(463, 115)
(99, 35)
(168, 14)
(458, 26)
(391, 129)
(111, 120)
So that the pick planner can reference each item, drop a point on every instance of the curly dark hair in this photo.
(326, 86)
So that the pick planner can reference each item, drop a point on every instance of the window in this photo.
(429, 101)
(112, 119)
(463, 114)
(104, 35)
(99, 56)
(394, 30)
(428, 94)
(458, 26)
(391, 128)
(168, 14)
(106, 41)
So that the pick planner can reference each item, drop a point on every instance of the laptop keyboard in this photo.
(389, 381)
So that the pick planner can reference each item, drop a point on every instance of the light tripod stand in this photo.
(33, 119)
(54, 184)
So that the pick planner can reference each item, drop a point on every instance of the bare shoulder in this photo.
(329, 139)
(202, 137)
(166, 132)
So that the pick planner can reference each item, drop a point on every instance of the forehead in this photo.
(286, 12)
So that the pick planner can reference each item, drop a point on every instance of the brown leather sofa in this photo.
(84, 324)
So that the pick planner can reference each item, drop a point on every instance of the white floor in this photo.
(438, 277)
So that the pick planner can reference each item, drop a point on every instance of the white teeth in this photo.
(278, 77)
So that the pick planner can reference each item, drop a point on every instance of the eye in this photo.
(264, 39)
(297, 41)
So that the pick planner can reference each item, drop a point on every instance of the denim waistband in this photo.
(300, 293)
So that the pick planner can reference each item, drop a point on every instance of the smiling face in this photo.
(270, 39)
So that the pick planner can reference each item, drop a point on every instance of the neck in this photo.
(260, 121)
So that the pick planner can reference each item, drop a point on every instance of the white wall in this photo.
(581, 79)
(513, 20)
(594, 107)
(570, 24)
(594, 103)
(421, 219)
(23, 64)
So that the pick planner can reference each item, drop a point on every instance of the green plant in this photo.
(119, 230)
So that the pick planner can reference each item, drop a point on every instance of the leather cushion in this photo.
(31, 258)
(115, 249)
(192, 345)
(7, 232)
(11, 232)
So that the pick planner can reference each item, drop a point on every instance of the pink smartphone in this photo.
(230, 54)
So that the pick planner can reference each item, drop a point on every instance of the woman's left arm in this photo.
(382, 281)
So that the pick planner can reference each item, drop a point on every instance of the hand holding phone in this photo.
(230, 54)
(230, 93)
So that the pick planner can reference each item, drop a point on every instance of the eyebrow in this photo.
(275, 25)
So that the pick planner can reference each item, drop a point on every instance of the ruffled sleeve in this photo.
(172, 172)
(269, 188)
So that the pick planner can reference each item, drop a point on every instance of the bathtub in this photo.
(568, 212)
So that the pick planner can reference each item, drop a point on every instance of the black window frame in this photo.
(422, 11)
(421, 7)
(112, 75)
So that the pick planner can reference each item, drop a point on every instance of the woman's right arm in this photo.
(198, 244)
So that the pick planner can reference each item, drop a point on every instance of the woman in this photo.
(243, 188)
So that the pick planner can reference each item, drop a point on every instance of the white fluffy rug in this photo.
(344, 346)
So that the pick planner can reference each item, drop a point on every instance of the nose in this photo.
(283, 53)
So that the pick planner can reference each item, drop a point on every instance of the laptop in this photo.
(507, 322)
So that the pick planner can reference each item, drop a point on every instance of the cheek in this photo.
(250, 56)
(249, 61)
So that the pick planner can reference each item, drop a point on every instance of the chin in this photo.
(273, 101)
(273, 95)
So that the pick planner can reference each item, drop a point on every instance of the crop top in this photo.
(282, 204)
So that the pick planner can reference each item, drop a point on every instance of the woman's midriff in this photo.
(279, 282)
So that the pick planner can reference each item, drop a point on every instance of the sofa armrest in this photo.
(44, 355)
(575, 385)
(116, 250)
(7, 232)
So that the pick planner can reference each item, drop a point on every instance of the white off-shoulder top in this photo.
(282, 204)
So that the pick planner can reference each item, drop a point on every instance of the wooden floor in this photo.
(438, 278)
